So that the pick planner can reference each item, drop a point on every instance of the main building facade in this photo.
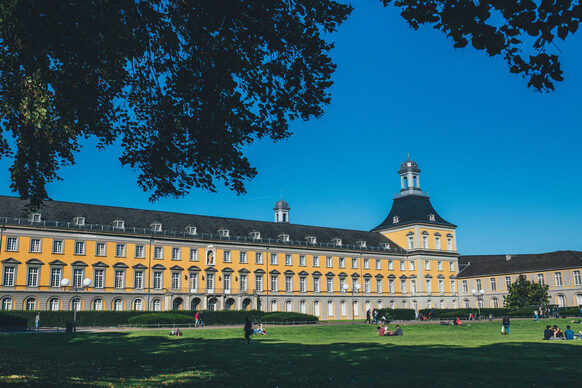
(151, 260)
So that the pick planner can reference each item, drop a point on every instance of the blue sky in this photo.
(498, 159)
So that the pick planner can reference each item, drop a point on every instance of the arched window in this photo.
(329, 308)
(356, 308)
(343, 307)
(494, 303)
(429, 304)
(578, 299)
(138, 305)
(403, 304)
(76, 304)
(273, 305)
(380, 304)
(454, 303)
(7, 304)
(98, 304)
(316, 310)
(392, 304)
(53, 304)
(157, 305)
(561, 300)
(442, 304)
(466, 303)
(289, 306)
(117, 305)
(368, 305)
(303, 307)
(30, 304)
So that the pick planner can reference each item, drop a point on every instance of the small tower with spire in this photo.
(409, 177)
(282, 211)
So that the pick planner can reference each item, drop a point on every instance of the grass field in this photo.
(338, 355)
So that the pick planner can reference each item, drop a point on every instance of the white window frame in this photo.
(35, 245)
(258, 258)
(33, 276)
(9, 276)
(100, 249)
(119, 250)
(11, 244)
(80, 248)
(378, 264)
(138, 276)
(175, 280)
(390, 265)
(193, 255)
(316, 261)
(227, 256)
(288, 259)
(329, 261)
(243, 258)
(302, 261)
(558, 282)
(58, 247)
(99, 278)
(274, 259)
(288, 283)
(119, 279)
(158, 252)
(138, 254)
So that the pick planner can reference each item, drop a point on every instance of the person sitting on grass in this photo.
(569, 333)
(398, 332)
(558, 334)
(457, 322)
(262, 330)
(548, 333)
(381, 331)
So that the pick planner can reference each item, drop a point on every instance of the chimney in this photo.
(507, 257)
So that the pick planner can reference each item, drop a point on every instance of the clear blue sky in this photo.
(498, 159)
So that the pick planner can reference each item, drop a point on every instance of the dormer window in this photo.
(191, 230)
(361, 243)
(255, 235)
(79, 221)
(284, 237)
(223, 232)
(35, 217)
(156, 226)
(431, 217)
(311, 239)
(336, 241)
(385, 245)
(119, 224)
(395, 219)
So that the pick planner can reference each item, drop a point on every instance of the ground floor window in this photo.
(157, 305)
(316, 310)
(7, 304)
(343, 307)
(330, 308)
(289, 306)
(561, 300)
(54, 304)
(303, 307)
(273, 305)
(138, 305)
(356, 309)
(118, 305)
(98, 304)
(30, 304)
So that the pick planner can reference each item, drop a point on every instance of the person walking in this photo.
(375, 316)
(368, 316)
(36, 321)
(537, 317)
(506, 325)
(248, 329)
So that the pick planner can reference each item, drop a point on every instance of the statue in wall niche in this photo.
(210, 258)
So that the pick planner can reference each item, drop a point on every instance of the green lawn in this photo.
(346, 355)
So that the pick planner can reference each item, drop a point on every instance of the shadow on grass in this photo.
(152, 360)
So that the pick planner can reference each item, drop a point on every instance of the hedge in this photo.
(288, 317)
(9, 321)
(157, 318)
(397, 314)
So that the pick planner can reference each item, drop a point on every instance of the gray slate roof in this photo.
(139, 218)
(486, 265)
(412, 209)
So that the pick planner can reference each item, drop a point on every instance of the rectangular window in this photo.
(425, 242)
(577, 278)
(439, 265)
(427, 265)
(378, 264)
(35, 245)
(210, 282)
(379, 286)
(288, 284)
(259, 282)
(410, 242)
(120, 250)
(274, 259)
(441, 286)
(12, 244)
(366, 264)
(390, 265)
(33, 277)
(411, 265)
(9, 273)
(243, 282)
(118, 279)
(354, 263)
(138, 279)
(437, 242)
(227, 257)
(274, 283)
(403, 286)
(391, 286)
(367, 285)
(99, 278)
(100, 249)
(58, 246)
(329, 262)
(140, 252)
(193, 256)
(157, 280)
(79, 247)
(302, 261)
(493, 284)
(450, 243)
(342, 262)
(507, 282)
(452, 266)
(288, 260)
(541, 278)
(329, 284)
(316, 285)
(56, 274)
(478, 284)
(194, 282)
(302, 286)
(316, 261)
(342, 282)
(402, 265)
(453, 286)
(175, 280)
(176, 253)
(226, 283)
(158, 252)
(465, 286)
(558, 279)
(77, 277)
(413, 286)
(258, 258)
(428, 286)
(243, 258)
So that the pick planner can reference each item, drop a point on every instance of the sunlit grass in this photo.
(346, 355)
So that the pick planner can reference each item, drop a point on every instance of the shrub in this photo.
(288, 317)
(397, 314)
(157, 318)
(11, 321)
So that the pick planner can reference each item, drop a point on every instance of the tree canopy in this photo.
(524, 293)
(522, 31)
(183, 86)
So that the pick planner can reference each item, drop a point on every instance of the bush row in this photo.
(115, 318)
(397, 314)
(495, 312)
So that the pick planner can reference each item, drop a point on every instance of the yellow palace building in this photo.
(151, 260)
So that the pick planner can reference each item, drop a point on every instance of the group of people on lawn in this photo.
(383, 331)
(555, 333)
(373, 317)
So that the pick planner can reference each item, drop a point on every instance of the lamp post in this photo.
(479, 295)
(86, 283)
(354, 290)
